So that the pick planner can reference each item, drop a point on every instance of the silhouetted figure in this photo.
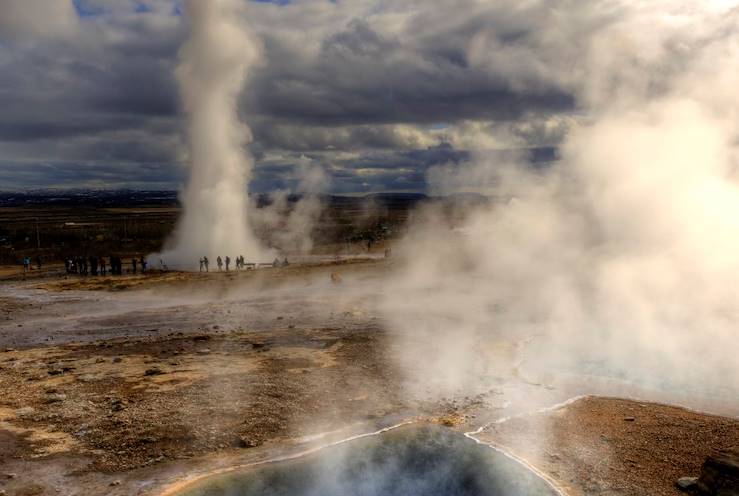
(134, 265)
(26, 265)
(228, 262)
(219, 262)
(202, 264)
(276, 262)
(102, 266)
(67, 265)
(143, 264)
(94, 266)
(285, 263)
(206, 262)
(38, 262)
(83, 263)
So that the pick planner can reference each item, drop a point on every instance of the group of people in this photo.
(240, 263)
(205, 263)
(97, 265)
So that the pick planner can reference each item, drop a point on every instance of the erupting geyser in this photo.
(214, 65)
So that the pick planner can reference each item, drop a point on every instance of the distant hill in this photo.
(132, 198)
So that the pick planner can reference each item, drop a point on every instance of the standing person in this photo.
(134, 264)
(219, 262)
(228, 262)
(38, 262)
(202, 264)
(26, 265)
(67, 265)
(206, 262)
(83, 261)
(143, 264)
(102, 266)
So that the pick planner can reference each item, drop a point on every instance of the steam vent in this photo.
(410, 461)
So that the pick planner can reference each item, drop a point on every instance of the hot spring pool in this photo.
(408, 461)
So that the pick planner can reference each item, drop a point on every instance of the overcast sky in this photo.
(375, 92)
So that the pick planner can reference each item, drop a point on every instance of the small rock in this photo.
(117, 360)
(686, 483)
(26, 411)
(629, 419)
(115, 483)
(204, 351)
(245, 442)
(153, 371)
(54, 372)
(55, 398)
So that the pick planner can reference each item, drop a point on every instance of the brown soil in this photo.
(137, 402)
(612, 446)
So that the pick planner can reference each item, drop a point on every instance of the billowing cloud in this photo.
(27, 20)
(358, 86)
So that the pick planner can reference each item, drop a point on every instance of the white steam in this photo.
(288, 226)
(622, 259)
(215, 62)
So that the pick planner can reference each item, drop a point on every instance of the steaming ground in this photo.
(138, 381)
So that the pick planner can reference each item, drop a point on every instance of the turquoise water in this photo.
(409, 461)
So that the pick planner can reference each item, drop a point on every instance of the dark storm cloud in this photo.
(372, 92)
(361, 76)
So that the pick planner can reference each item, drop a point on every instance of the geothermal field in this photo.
(366, 248)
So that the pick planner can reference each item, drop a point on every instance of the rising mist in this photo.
(620, 259)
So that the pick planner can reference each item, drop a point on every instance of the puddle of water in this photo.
(409, 461)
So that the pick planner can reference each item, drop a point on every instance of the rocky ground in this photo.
(612, 446)
(128, 385)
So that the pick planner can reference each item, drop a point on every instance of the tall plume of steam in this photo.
(214, 65)
(622, 259)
